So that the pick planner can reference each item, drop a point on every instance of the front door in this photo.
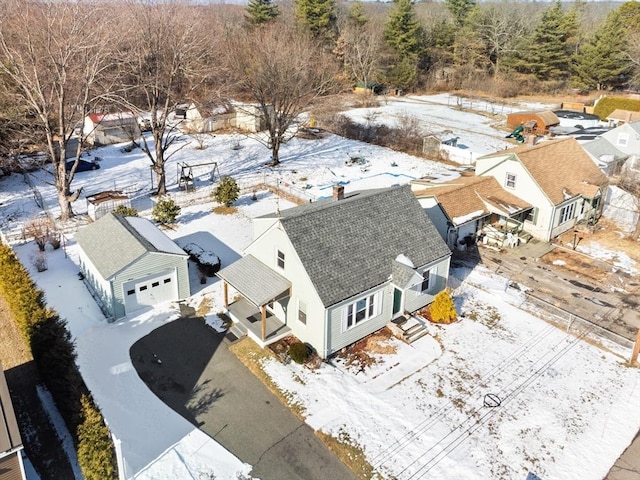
(397, 301)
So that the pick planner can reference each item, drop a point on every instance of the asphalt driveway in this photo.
(188, 365)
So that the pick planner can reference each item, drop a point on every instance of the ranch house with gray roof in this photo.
(128, 264)
(336, 270)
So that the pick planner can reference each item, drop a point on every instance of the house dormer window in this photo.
(510, 181)
(280, 260)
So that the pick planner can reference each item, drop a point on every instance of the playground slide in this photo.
(517, 134)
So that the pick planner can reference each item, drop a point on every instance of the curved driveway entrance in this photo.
(190, 368)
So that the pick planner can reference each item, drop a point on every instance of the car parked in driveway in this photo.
(83, 165)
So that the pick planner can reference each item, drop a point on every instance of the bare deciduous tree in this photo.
(283, 71)
(162, 62)
(55, 55)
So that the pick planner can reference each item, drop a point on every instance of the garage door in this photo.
(150, 291)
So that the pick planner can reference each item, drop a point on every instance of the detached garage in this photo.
(130, 264)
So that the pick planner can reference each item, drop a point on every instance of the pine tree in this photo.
(357, 16)
(226, 192)
(460, 10)
(318, 16)
(125, 210)
(403, 32)
(548, 54)
(166, 211)
(260, 12)
(602, 62)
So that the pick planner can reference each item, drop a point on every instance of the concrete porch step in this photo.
(238, 330)
(414, 332)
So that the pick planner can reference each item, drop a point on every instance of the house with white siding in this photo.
(108, 128)
(557, 177)
(334, 271)
(128, 264)
(461, 208)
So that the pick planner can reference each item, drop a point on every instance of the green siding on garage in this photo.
(151, 264)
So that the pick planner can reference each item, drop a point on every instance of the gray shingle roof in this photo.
(259, 283)
(601, 146)
(112, 243)
(347, 246)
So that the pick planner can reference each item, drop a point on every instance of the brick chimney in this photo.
(338, 192)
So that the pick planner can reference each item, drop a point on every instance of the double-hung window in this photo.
(280, 259)
(362, 310)
(426, 278)
(510, 181)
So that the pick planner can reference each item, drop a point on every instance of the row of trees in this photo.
(62, 59)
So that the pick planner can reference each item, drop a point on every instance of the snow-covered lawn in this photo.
(568, 408)
(560, 407)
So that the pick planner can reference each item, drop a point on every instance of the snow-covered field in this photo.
(568, 408)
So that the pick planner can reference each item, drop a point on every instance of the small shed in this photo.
(109, 128)
(128, 264)
(544, 120)
(99, 204)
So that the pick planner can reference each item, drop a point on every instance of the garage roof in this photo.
(115, 241)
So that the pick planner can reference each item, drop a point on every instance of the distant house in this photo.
(462, 207)
(557, 177)
(129, 263)
(620, 117)
(206, 118)
(109, 128)
(337, 270)
(11, 466)
(605, 155)
(625, 138)
(539, 121)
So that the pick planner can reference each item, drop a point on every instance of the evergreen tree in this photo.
(460, 10)
(166, 211)
(357, 16)
(226, 192)
(603, 61)
(125, 210)
(403, 32)
(260, 12)
(318, 16)
(96, 455)
(548, 54)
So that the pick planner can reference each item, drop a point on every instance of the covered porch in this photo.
(263, 292)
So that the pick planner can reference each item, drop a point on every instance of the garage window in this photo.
(155, 284)
(131, 292)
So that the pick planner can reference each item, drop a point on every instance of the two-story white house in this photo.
(557, 177)
(334, 271)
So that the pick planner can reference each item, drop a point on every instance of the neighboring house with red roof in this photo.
(11, 466)
(109, 128)
(462, 207)
(557, 177)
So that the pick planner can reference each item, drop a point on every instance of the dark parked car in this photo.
(83, 165)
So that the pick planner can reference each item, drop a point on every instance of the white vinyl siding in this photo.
(302, 312)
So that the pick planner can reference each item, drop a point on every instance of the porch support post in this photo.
(225, 290)
(263, 320)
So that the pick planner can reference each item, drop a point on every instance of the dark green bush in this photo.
(607, 105)
(52, 347)
(125, 210)
(298, 352)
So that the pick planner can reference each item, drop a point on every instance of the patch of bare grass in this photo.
(364, 353)
(223, 210)
(349, 452)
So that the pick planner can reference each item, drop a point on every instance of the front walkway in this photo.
(204, 382)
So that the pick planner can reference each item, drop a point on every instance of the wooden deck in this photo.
(247, 316)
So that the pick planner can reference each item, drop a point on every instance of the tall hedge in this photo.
(50, 342)
(607, 105)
